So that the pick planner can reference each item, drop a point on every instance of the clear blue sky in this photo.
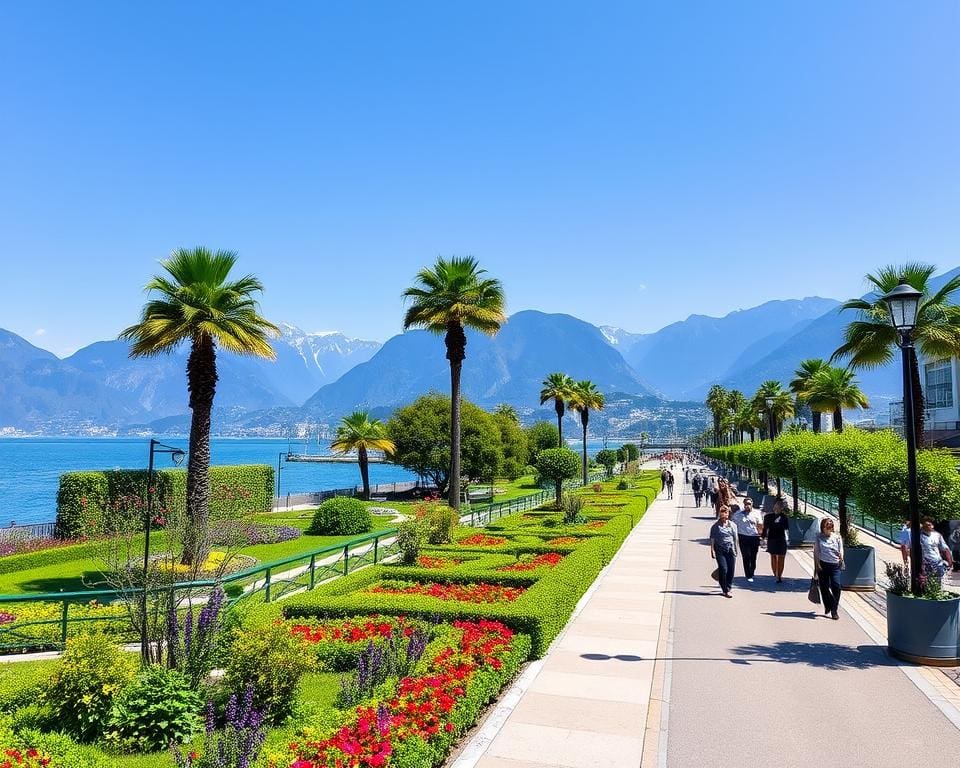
(629, 163)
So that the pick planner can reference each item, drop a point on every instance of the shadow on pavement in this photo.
(687, 592)
(823, 655)
(792, 614)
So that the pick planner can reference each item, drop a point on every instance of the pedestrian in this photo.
(937, 558)
(663, 476)
(711, 491)
(749, 530)
(723, 549)
(776, 524)
(903, 539)
(696, 485)
(669, 485)
(827, 563)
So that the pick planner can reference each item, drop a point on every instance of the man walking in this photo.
(937, 558)
(749, 530)
(669, 484)
(697, 485)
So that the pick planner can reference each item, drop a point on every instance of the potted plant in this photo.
(923, 628)
(783, 461)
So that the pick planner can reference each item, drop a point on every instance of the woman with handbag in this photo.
(827, 563)
(724, 548)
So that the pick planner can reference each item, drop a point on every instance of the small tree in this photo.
(785, 454)
(558, 464)
(633, 453)
(541, 435)
(607, 459)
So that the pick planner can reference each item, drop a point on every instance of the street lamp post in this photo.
(903, 302)
(177, 455)
(279, 470)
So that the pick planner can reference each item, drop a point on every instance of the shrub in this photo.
(623, 485)
(341, 516)
(81, 690)
(441, 521)
(572, 509)
(22, 683)
(411, 536)
(271, 661)
(237, 533)
(157, 709)
(557, 465)
(237, 745)
(54, 750)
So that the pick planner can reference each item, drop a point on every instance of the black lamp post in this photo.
(177, 455)
(903, 302)
(279, 470)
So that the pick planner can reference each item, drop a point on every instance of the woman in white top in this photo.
(828, 562)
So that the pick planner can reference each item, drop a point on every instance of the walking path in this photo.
(654, 669)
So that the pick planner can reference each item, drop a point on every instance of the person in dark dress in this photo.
(776, 524)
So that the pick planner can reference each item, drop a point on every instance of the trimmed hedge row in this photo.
(94, 502)
(869, 466)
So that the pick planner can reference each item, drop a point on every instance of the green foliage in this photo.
(573, 509)
(633, 453)
(157, 709)
(271, 660)
(421, 433)
(513, 440)
(557, 465)
(36, 626)
(607, 459)
(623, 484)
(87, 501)
(881, 488)
(785, 452)
(831, 462)
(341, 516)
(440, 521)
(22, 683)
(62, 750)
(541, 436)
(81, 691)
(411, 536)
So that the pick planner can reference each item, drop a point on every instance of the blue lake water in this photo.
(30, 468)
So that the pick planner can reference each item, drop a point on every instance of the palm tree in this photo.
(358, 432)
(557, 387)
(196, 302)
(869, 340)
(446, 299)
(508, 411)
(801, 381)
(833, 389)
(735, 401)
(782, 407)
(717, 403)
(582, 398)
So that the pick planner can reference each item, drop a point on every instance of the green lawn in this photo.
(86, 572)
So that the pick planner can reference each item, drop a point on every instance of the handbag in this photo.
(813, 594)
(715, 575)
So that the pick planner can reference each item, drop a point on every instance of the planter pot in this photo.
(924, 631)
(755, 495)
(742, 486)
(859, 572)
(767, 503)
(803, 530)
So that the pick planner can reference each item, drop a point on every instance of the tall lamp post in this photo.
(280, 458)
(903, 302)
(177, 455)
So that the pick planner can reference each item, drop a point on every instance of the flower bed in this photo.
(433, 563)
(482, 540)
(563, 541)
(234, 532)
(12, 544)
(479, 592)
(36, 626)
(548, 560)
(425, 710)
(353, 630)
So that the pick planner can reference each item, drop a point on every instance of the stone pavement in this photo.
(656, 669)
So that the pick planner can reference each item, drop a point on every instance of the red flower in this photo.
(482, 540)
(480, 592)
(549, 560)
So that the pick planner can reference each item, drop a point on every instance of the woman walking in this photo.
(828, 562)
(775, 527)
(724, 549)
(669, 485)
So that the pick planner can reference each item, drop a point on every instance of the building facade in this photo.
(941, 399)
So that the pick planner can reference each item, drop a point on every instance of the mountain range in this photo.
(654, 381)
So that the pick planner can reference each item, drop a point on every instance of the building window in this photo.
(939, 376)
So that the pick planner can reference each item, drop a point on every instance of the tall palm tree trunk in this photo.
(202, 384)
(838, 419)
(456, 341)
(364, 471)
(817, 416)
(918, 419)
(842, 514)
(584, 419)
(558, 407)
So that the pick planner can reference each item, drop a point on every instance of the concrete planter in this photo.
(755, 495)
(766, 505)
(742, 486)
(803, 530)
(859, 572)
(924, 631)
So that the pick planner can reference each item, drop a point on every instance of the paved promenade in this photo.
(657, 670)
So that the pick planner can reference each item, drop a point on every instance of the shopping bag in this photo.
(813, 594)
(715, 575)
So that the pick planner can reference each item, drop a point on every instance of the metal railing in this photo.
(28, 531)
(830, 504)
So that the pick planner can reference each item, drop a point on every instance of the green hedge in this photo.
(88, 502)
(52, 556)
